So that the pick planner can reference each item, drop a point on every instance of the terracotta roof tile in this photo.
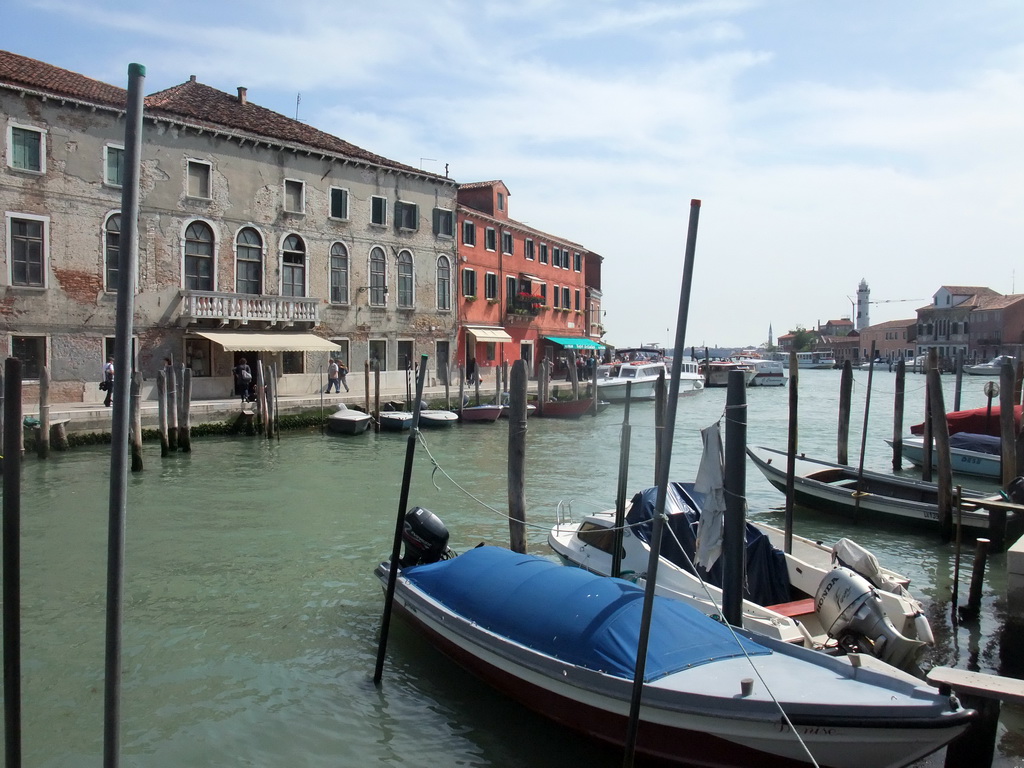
(482, 184)
(28, 73)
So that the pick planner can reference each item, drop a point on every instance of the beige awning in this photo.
(481, 333)
(269, 342)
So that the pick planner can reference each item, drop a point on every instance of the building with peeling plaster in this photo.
(250, 223)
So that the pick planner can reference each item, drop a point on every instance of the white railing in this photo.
(235, 307)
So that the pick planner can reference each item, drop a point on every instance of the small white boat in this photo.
(780, 589)
(767, 373)
(487, 413)
(437, 418)
(969, 454)
(822, 359)
(716, 372)
(991, 368)
(348, 421)
(395, 421)
(641, 376)
(563, 642)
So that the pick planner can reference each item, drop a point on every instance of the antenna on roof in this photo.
(298, 99)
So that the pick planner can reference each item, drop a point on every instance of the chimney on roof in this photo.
(242, 98)
(191, 78)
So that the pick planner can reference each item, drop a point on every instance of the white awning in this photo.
(481, 333)
(269, 342)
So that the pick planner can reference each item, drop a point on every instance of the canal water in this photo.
(251, 612)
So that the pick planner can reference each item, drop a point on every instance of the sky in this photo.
(827, 142)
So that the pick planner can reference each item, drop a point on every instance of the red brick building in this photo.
(523, 293)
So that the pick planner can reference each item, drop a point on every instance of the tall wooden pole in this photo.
(620, 490)
(662, 493)
(897, 415)
(1007, 433)
(659, 421)
(396, 543)
(959, 379)
(845, 393)
(864, 433)
(12, 562)
(940, 431)
(794, 401)
(136, 421)
(127, 270)
(43, 440)
(733, 542)
(517, 458)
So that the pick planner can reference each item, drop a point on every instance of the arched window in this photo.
(249, 262)
(111, 250)
(199, 257)
(444, 283)
(339, 274)
(405, 280)
(293, 267)
(378, 277)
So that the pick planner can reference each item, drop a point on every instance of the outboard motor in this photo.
(852, 613)
(1015, 490)
(425, 538)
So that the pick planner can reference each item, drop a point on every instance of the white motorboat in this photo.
(991, 368)
(563, 642)
(767, 373)
(641, 376)
(437, 418)
(716, 372)
(969, 454)
(395, 421)
(780, 589)
(348, 421)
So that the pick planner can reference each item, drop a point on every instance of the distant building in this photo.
(863, 306)
(893, 340)
(945, 324)
(523, 293)
(841, 327)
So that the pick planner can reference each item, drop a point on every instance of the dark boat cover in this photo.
(968, 441)
(767, 577)
(979, 421)
(583, 619)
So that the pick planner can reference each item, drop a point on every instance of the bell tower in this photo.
(863, 303)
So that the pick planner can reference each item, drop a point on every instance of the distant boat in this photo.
(821, 359)
(767, 373)
(991, 368)
(348, 421)
(563, 642)
(716, 372)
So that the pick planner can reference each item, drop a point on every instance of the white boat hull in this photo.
(961, 461)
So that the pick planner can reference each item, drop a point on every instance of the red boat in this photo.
(978, 421)
(569, 409)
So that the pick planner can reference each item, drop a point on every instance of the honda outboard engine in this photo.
(425, 538)
(852, 613)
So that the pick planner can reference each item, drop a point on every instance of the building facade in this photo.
(249, 223)
(894, 340)
(945, 324)
(524, 294)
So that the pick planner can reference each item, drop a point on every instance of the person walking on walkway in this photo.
(343, 373)
(243, 381)
(332, 378)
(108, 381)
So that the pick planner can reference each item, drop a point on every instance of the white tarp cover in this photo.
(711, 482)
(269, 342)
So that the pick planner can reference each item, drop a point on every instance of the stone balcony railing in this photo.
(242, 309)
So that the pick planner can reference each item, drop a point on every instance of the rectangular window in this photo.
(576, 301)
(543, 253)
(378, 349)
(31, 350)
(490, 286)
(407, 215)
(198, 179)
(577, 262)
(510, 290)
(27, 246)
(444, 222)
(565, 296)
(378, 210)
(556, 296)
(339, 203)
(468, 283)
(556, 256)
(113, 165)
(501, 201)
(468, 233)
(507, 243)
(26, 149)
(544, 292)
(293, 362)
(294, 196)
(528, 250)
(406, 352)
(490, 239)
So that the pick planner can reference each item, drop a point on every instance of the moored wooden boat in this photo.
(969, 454)
(437, 418)
(978, 421)
(487, 413)
(569, 409)
(563, 641)
(830, 487)
(395, 421)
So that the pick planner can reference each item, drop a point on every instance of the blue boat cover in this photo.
(583, 619)
(767, 576)
(969, 441)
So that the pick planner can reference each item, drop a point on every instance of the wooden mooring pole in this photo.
(161, 401)
(172, 410)
(185, 411)
(897, 415)
(659, 421)
(135, 419)
(843, 432)
(43, 439)
(621, 488)
(517, 458)
(794, 401)
(12, 561)
(1007, 433)
(940, 431)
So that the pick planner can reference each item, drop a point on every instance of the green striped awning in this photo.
(575, 342)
